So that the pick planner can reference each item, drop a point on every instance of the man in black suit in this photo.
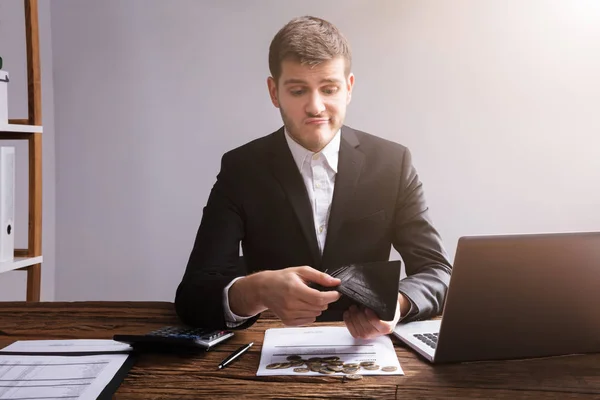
(311, 196)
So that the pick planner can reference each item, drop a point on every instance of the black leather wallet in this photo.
(373, 285)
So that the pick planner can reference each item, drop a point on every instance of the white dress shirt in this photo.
(318, 172)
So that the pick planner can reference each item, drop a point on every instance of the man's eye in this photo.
(297, 92)
(330, 90)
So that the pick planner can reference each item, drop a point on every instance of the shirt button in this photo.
(318, 186)
(321, 229)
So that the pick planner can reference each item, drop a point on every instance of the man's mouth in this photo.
(316, 121)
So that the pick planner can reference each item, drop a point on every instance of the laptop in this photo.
(515, 296)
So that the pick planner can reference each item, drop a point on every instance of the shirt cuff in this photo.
(232, 320)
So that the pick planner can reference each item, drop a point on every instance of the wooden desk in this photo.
(162, 376)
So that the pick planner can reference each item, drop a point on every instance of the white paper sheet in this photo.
(67, 346)
(322, 342)
(54, 377)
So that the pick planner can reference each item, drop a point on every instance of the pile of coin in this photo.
(329, 366)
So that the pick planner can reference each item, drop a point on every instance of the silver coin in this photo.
(273, 366)
(371, 367)
(389, 368)
(354, 377)
(301, 370)
(326, 371)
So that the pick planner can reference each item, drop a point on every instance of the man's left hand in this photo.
(363, 322)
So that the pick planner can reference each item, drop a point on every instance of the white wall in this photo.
(497, 101)
(13, 285)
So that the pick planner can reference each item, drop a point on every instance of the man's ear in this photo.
(272, 85)
(350, 85)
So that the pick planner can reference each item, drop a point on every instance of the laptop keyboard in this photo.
(430, 339)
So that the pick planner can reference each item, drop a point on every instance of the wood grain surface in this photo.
(195, 376)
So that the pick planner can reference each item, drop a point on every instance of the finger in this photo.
(353, 320)
(366, 329)
(294, 314)
(350, 324)
(383, 327)
(298, 321)
(296, 309)
(309, 274)
(316, 297)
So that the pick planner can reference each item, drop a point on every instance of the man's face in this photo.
(312, 100)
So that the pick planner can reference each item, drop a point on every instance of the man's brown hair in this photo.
(308, 40)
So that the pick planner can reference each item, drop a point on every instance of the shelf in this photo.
(19, 262)
(14, 128)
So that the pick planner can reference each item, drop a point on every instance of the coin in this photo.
(331, 358)
(353, 377)
(273, 366)
(327, 371)
(301, 370)
(351, 365)
(297, 363)
(315, 359)
(349, 370)
(371, 367)
(293, 357)
(389, 368)
(367, 363)
(335, 362)
(284, 365)
(336, 368)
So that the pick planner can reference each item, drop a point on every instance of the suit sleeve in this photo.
(420, 246)
(214, 260)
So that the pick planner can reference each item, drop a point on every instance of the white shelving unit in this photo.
(19, 262)
(13, 128)
(29, 129)
(5, 131)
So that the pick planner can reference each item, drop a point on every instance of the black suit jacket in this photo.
(259, 199)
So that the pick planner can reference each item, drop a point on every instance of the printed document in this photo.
(67, 346)
(55, 377)
(302, 347)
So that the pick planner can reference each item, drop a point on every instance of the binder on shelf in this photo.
(7, 203)
(3, 97)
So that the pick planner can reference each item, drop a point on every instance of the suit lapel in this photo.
(286, 172)
(350, 164)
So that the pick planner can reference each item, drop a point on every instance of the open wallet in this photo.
(373, 285)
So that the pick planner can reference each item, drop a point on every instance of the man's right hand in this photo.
(285, 292)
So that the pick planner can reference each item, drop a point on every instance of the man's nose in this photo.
(315, 104)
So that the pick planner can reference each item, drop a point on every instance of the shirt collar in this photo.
(331, 152)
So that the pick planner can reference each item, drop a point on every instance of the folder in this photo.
(7, 203)
(373, 285)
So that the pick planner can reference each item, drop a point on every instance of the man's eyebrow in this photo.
(294, 81)
(332, 80)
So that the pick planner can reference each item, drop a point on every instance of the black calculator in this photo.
(176, 338)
